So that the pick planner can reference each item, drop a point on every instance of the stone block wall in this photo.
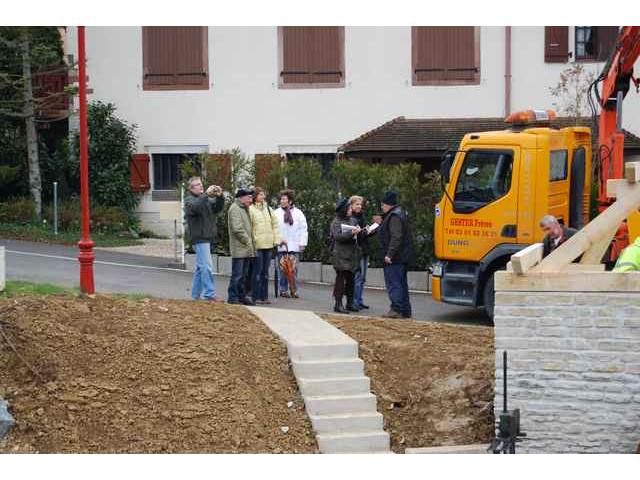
(573, 369)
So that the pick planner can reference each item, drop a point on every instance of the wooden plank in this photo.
(632, 172)
(579, 267)
(595, 253)
(617, 187)
(527, 258)
(568, 281)
(592, 232)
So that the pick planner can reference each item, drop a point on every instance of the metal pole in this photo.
(175, 239)
(55, 208)
(85, 244)
(504, 379)
(181, 213)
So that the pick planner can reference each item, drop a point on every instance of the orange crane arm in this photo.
(616, 78)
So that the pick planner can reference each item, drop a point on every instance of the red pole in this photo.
(85, 244)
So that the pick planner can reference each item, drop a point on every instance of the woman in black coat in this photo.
(346, 255)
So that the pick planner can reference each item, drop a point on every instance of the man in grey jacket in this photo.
(200, 209)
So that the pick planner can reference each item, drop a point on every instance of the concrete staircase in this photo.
(332, 382)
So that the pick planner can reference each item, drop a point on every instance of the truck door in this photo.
(485, 204)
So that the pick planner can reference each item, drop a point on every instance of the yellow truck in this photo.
(497, 187)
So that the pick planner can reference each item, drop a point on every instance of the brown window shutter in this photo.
(556, 44)
(444, 54)
(606, 38)
(139, 170)
(175, 57)
(312, 55)
(265, 163)
(218, 170)
(326, 54)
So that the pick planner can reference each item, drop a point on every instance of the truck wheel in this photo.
(489, 296)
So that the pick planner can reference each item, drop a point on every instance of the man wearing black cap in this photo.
(241, 246)
(397, 252)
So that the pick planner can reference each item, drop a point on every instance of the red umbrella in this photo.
(288, 266)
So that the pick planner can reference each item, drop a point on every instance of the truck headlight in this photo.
(436, 269)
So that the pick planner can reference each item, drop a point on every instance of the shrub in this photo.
(111, 144)
(101, 219)
(316, 197)
(18, 210)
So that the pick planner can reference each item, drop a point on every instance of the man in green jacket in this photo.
(241, 246)
(200, 209)
(629, 259)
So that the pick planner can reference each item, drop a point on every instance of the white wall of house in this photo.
(244, 106)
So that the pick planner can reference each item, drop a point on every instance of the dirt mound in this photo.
(121, 375)
(434, 382)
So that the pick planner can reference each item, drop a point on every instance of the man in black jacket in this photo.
(555, 234)
(200, 208)
(397, 251)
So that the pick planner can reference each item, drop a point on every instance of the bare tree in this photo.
(571, 91)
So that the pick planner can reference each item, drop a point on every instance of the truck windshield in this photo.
(485, 176)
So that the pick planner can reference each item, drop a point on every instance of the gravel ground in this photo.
(434, 382)
(116, 375)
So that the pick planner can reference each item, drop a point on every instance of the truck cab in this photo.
(498, 185)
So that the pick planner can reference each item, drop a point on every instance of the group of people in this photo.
(255, 229)
(349, 242)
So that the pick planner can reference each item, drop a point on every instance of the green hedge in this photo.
(316, 196)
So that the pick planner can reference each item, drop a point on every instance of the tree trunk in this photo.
(35, 180)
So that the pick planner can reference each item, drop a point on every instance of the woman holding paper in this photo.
(346, 255)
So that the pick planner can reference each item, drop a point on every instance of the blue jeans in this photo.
(359, 280)
(260, 277)
(239, 271)
(395, 279)
(203, 283)
(283, 283)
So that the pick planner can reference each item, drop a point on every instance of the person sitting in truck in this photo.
(629, 259)
(555, 234)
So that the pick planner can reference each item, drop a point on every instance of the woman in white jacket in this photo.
(293, 228)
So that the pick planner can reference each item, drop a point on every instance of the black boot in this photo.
(338, 308)
(350, 306)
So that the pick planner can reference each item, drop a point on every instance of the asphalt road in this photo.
(124, 273)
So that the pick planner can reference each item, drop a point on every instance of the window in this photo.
(311, 57)
(445, 55)
(557, 165)
(166, 169)
(485, 176)
(175, 58)
(595, 43)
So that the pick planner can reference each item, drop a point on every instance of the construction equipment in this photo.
(497, 187)
(615, 79)
(499, 184)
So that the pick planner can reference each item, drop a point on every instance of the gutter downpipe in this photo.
(507, 71)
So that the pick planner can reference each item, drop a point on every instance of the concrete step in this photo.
(335, 351)
(352, 367)
(347, 422)
(315, 387)
(361, 442)
(340, 404)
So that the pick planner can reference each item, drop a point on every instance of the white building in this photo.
(288, 90)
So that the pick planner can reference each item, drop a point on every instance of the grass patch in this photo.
(38, 233)
(131, 296)
(13, 288)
